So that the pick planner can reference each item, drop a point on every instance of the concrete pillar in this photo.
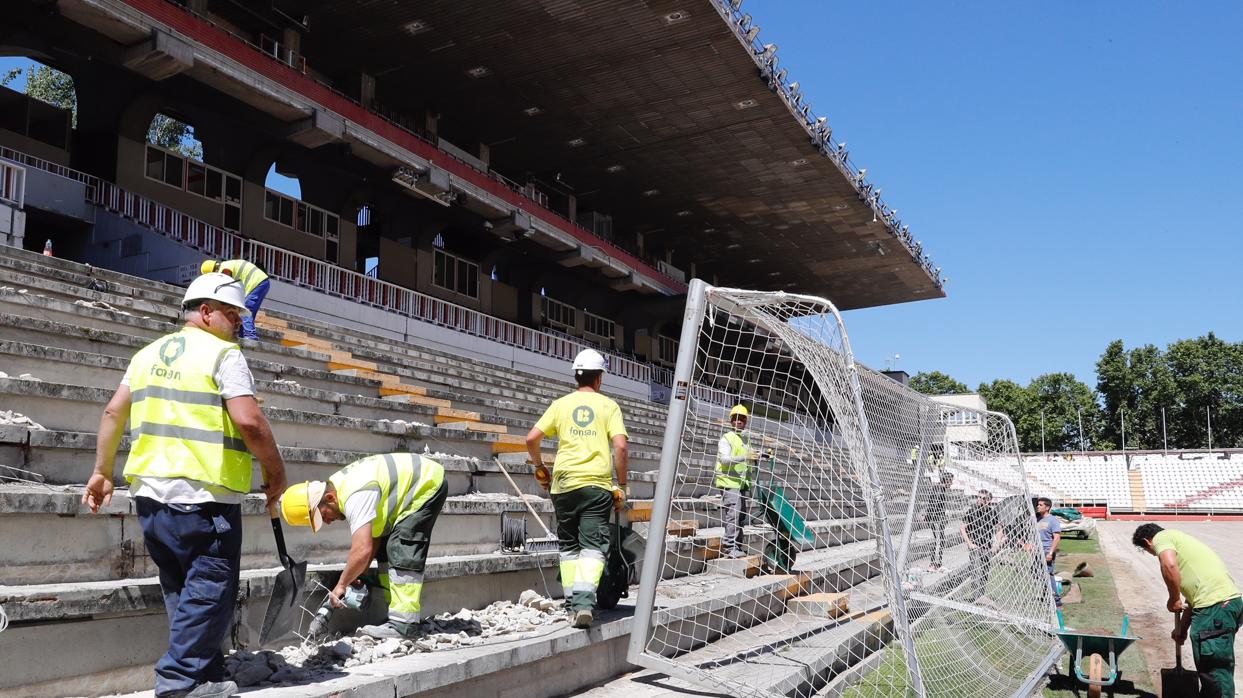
(197, 6)
(366, 90)
(571, 207)
(430, 122)
(291, 39)
(485, 154)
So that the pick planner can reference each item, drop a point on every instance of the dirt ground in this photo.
(1142, 592)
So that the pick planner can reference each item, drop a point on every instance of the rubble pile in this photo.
(17, 419)
(447, 631)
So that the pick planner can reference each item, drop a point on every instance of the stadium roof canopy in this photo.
(656, 113)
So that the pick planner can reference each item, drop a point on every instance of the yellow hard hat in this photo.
(739, 410)
(208, 267)
(300, 505)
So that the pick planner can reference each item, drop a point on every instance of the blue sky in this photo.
(1072, 167)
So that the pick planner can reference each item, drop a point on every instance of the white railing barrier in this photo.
(344, 283)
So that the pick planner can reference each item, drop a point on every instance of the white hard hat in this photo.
(589, 360)
(217, 287)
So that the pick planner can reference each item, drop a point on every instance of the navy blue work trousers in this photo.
(198, 548)
(253, 302)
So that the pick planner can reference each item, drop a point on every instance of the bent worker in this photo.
(391, 502)
(189, 397)
(254, 282)
(1205, 600)
(733, 476)
(582, 479)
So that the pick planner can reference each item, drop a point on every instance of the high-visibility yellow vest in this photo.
(734, 475)
(250, 275)
(405, 481)
(179, 425)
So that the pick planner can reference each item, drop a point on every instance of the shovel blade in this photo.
(285, 606)
(1179, 682)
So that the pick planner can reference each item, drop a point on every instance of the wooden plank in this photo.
(682, 527)
(448, 414)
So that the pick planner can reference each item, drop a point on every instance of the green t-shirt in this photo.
(1205, 579)
(586, 423)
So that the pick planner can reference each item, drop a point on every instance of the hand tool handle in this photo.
(522, 496)
(276, 528)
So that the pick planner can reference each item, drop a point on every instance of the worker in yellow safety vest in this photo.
(734, 457)
(391, 502)
(255, 284)
(195, 424)
(591, 451)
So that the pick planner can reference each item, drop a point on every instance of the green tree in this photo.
(48, 84)
(937, 383)
(1062, 400)
(178, 136)
(1007, 397)
(1116, 385)
(1207, 374)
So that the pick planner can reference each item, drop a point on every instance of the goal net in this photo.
(887, 543)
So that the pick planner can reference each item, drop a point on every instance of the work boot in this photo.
(215, 689)
(382, 632)
(582, 619)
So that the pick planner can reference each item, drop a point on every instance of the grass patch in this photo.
(943, 657)
(1101, 611)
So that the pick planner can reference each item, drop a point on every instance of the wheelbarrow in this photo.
(790, 526)
(1094, 649)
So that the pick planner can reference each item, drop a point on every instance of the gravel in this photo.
(500, 621)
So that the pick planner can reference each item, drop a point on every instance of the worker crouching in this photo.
(391, 502)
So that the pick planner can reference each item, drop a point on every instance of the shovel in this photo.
(287, 591)
(1179, 681)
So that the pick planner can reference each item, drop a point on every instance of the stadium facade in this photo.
(540, 175)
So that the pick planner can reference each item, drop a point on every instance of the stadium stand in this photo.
(1192, 481)
(332, 394)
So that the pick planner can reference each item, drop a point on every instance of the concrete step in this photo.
(582, 658)
(60, 352)
(63, 457)
(119, 628)
(16, 281)
(61, 406)
(128, 298)
(40, 320)
(49, 536)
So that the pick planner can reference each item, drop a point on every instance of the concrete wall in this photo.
(151, 255)
(51, 192)
(30, 146)
(132, 175)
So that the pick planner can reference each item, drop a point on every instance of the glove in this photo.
(621, 493)
(543, 476)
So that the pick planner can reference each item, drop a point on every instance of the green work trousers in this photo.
(583, 537)
(403, 556)
(1212, 645)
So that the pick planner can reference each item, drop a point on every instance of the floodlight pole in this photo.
(1042, 433)
(1082, 444)
(1122, 414)
(1208, 416)
(1165, 442)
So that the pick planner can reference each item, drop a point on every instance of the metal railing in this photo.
(333, 280)
(91, 181)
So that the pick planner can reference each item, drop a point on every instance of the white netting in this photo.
(852, 575)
